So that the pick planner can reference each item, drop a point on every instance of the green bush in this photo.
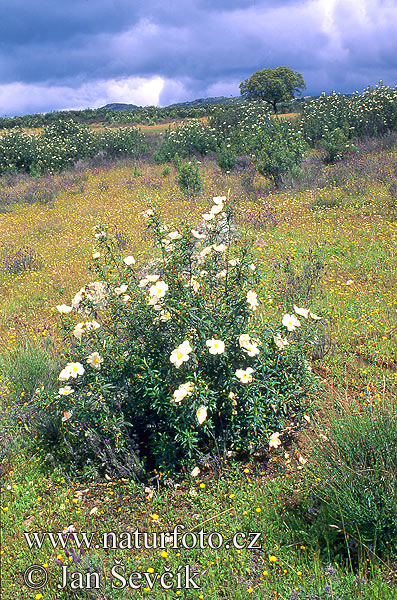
(189, 139)
(372, 113)
(334, 143)
(62, 144)
(189, 178)
(226, 157)
(123, 141)
(169, 363)
(356, 466)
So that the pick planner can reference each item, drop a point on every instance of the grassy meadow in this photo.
(329, 237)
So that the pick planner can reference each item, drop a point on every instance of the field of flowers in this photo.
(323, 243)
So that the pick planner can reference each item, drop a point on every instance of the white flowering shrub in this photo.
(62, 144)
(190, 138)
(171, 362)
(374, 112)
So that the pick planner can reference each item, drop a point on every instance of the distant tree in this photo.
(273, 85)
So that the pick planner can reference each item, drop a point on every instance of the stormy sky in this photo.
(74, 54)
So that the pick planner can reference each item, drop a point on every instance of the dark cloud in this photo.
(86, 50)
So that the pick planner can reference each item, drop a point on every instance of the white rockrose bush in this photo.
(175, 362)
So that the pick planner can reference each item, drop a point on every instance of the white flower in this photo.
(95, 360)
(194, 284)
(245, 376)
(158, 289)
(185, 389)
(71, 370)
(121, 290)
(280, 341)
(129, 260)
(252, 299)
(274, 441)
(143, 282)
(153, 300)
(174, 235)
(153, 278)
(233, 262)
(75, 369)
(126, 298)
(65, 391)
(220, 248)
(302, 312)
(219, 199)
(208, 216)
(78, 298)
(216, 209)
(148, 213)
(196, 471)
(221, 274)
(251, 349)
(248, 346)
(215, 346)
(64, 309)
(206, 251)
(180, 354)
(96, 255)
(202, 414)
(164, 316)
(290, 322)
(315, 317)
(252, 267)
(197, 235)
(349, 282)
(244, 340)
(64, 375)
(79, 329)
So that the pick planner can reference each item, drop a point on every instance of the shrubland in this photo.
(179, 387)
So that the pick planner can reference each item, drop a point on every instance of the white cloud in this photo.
(19, 98)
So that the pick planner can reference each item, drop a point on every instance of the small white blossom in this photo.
(290, 322)
(185, 389)
(181, 354)
(244, 375)
(159, 289)
(216, 209)
(198, 235)
(252, 299)
(129, 260)
(65, 391)
(202, 414)
(315, 317)
(220, 248)
(174, 235)
(215, 346)
(196, 471)
(64, 309)
(302, 312)
(274, 441)
(280, 342)
(95, 360)
(121, 290)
